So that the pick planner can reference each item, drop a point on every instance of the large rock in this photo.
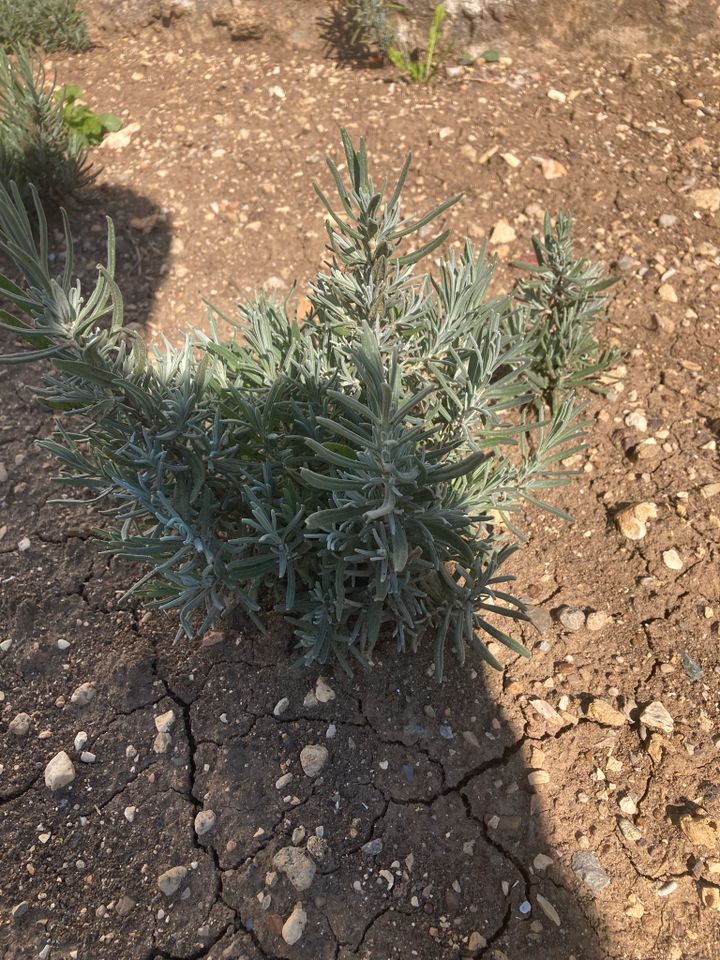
(635, 26)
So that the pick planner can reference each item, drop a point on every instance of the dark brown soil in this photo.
(212, 198)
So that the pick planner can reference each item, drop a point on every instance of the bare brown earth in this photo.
(212, 198)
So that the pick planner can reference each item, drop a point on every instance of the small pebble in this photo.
(571, 618)
(204, 822)
(372, 848)
(587, 867)
(548, 909)
(672, 559)
(476, 941)
(59, 772)
(19, 726)
(598, 620)
(502, 233)
(297, 866)
(280, 707)
(538, 777)
(169, 882)
(19, 910)
(324, 693)
(691, 667)
(605, 714)
(164, 722)
(710, 896)
(294, 926)
(83, 695)
(317, 847)
(667, 888)
(656, 717)
(629, 830)
(313, 758)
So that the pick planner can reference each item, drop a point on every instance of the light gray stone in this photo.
(587, 867)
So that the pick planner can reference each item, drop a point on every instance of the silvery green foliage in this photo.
(49, 24)
(348, 470)
(560, 303)
(35, 144)
(370, 23)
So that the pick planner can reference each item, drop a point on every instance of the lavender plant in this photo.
(36, 144)
(560, 304)
(347, 470)
(49, 24)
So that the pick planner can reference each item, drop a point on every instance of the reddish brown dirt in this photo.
(212, 197)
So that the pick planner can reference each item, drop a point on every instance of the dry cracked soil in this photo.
(566, 807)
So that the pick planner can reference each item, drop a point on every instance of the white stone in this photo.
(161, 742)
(59, 772)
(502, 233)
(204, 822)
(656, 717)
(83, 695)
(120, 139)
(294, 926)
(280, 707)
(672, 559)
(707, 199)
(164, 721)
(324, 693)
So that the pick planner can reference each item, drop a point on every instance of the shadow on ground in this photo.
(143, 236)
(337, 35)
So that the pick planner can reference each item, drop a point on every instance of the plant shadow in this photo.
(435, 776)
(337, 36)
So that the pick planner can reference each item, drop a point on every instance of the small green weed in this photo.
(419, 69)
(85, 126)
